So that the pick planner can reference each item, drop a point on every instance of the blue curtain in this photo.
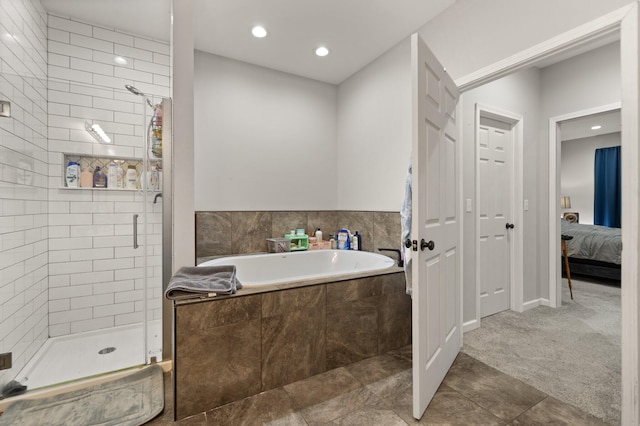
(607, 205)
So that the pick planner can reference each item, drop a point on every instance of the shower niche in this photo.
(151, 180)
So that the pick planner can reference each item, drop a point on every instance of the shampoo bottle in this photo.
(355, 242)
(73, 174)
(112, 175)
(119, 177)
(86, 178)
(358, 237)
(131, 178)
(344, 242)
(318, 235)
(99, 178)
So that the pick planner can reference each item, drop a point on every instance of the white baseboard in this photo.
(470, 325)
(533, 303)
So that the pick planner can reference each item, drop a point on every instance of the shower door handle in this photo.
(135, 231)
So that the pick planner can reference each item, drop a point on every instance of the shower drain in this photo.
(106, 350)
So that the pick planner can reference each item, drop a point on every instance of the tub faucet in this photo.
(400, 261)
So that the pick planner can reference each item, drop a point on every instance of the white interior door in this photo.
(495, 166)
(437, 332)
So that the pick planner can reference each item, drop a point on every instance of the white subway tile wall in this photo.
(96, 277)
(23, 182)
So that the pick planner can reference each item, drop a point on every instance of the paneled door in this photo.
(495, 214)
(436, 303)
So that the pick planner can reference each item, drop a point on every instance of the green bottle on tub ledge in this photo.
(298, 240)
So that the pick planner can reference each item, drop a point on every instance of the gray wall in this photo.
(586, 81)
(264, 139)
(374, 133)
(518, 93)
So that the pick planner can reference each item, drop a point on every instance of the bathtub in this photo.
(281, 333)
(279, 268)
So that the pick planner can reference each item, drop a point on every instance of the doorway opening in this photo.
(556, 127)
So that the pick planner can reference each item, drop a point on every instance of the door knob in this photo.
(510, 226)
(407, 243)
(430, 245)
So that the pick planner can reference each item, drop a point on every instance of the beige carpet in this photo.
(571, 353)
(129, 401)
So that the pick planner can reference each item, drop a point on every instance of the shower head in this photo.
(138, 93)
(133, 90)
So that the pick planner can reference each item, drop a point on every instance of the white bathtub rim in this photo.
(388, 265)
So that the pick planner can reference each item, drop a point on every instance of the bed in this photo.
(594, 251)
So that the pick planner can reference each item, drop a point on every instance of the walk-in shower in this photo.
(76, 297)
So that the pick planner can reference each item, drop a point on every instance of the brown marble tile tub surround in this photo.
(212, 374)
(366, 317)
(293, 335)
(229, 348)
(227, 233)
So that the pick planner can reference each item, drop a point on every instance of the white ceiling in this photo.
(355, 31)
(581, 127)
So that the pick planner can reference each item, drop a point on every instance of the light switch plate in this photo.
(5, 109)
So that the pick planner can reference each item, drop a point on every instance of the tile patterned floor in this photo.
(377, 391)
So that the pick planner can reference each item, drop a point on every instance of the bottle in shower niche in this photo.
(119, 176)
(99, 178)
(112, 175)
(72, 175)
(131, 178)
(86, 178)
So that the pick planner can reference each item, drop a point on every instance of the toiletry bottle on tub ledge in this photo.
(355, 241)
(344, 242)
(357, 244)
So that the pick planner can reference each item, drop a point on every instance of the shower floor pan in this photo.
(66, 358)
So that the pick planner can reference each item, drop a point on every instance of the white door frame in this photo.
(555, 160)
(624, 20)
(516, 272)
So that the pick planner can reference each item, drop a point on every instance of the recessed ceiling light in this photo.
(322, 51)
(120, 60)
(258, 31)
(597, 127)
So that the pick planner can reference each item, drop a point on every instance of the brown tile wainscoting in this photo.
(230, 348)
(226, 233)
